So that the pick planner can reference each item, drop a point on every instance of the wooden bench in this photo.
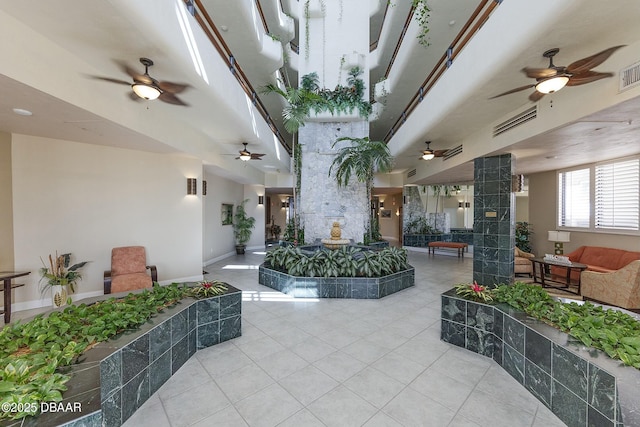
(461, 247)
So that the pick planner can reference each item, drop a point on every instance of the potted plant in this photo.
(275, 231)
(242, 226)
(60, 277)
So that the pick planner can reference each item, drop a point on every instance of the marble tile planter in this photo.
(581, 385)
(113, 379)
(336, 287)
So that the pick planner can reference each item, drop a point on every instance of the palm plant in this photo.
(362, 159)
(299, 102)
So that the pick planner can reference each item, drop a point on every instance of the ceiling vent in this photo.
(452, 152)
(630, 77)
(411, 173)
(516, 121)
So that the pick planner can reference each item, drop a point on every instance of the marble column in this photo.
(494, 220)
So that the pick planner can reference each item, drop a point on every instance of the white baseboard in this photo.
(219, 258)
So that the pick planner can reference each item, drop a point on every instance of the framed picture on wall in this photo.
(227, 214)
(385, 213)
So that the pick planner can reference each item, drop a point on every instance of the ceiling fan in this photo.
(246, 155)
(429, 154)
(146, 87)
(553, 78)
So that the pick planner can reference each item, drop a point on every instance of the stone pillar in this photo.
(494, 220)
(321, 201)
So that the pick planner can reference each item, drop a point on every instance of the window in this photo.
(617, 194)
(574, 201)
(604, 196)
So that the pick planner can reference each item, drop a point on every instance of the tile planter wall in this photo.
(113, 379)
(336, 287)
(582, 386)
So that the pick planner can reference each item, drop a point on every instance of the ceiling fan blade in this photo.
(539, 73)
(170, 98)
(587, 77)
(592, 61)
(172, 87)
(256, 156)
(135, 75)
(110, 80)
(439, 153)
(536, 96)
(518, 89)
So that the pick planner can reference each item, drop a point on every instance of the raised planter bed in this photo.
(336, 287)
(582, 386)
(114, 378)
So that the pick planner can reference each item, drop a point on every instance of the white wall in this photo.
(217, 238)
(87, 199)
(6, 213)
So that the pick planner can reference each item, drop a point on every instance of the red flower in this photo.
(207, 285)
(477, 288)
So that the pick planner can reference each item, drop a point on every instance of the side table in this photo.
(6, 277)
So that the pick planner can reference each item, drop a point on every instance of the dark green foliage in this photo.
(242, 224)
(344, 262)
(30, 353)
(612, 331)
(341, 100)
(418, 225)
(523, 235)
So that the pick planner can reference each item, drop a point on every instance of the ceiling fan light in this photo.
(427, 155)
(553, 84)
(145, 91)
(245, 157)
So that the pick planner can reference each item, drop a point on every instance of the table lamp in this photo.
(559, 237)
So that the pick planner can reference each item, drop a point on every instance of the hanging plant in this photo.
(421, 13)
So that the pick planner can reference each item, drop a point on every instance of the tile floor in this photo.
(342, 363)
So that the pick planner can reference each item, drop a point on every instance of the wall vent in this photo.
(516, 121)
(630, 77)
(411, 173)
(452, 152)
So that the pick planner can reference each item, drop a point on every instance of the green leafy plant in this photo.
(300, 101)
(59, 272)
(418, 225)
(242, 224)
(34, 352)
(344, 262)
(209, 288)
(523, 236)
(612, 331)
(422, 13)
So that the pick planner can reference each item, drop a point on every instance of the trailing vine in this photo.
(421, 14)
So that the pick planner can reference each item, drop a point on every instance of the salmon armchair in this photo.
(129, 270)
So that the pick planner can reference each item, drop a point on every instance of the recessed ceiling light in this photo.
(22, 112)
(224, 28)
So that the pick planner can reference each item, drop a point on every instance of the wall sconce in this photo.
(192, 186)
(204, 187)
(467, 204)
(284, 205)
(261, 200)
(404, 200)
(559, 237)
(460, 205)
(381, 205)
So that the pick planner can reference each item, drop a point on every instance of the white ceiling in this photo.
(98, 33)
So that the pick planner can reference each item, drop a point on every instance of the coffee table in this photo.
(539, 276)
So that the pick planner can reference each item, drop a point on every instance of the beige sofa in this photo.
(522, 262)
(620, 288)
